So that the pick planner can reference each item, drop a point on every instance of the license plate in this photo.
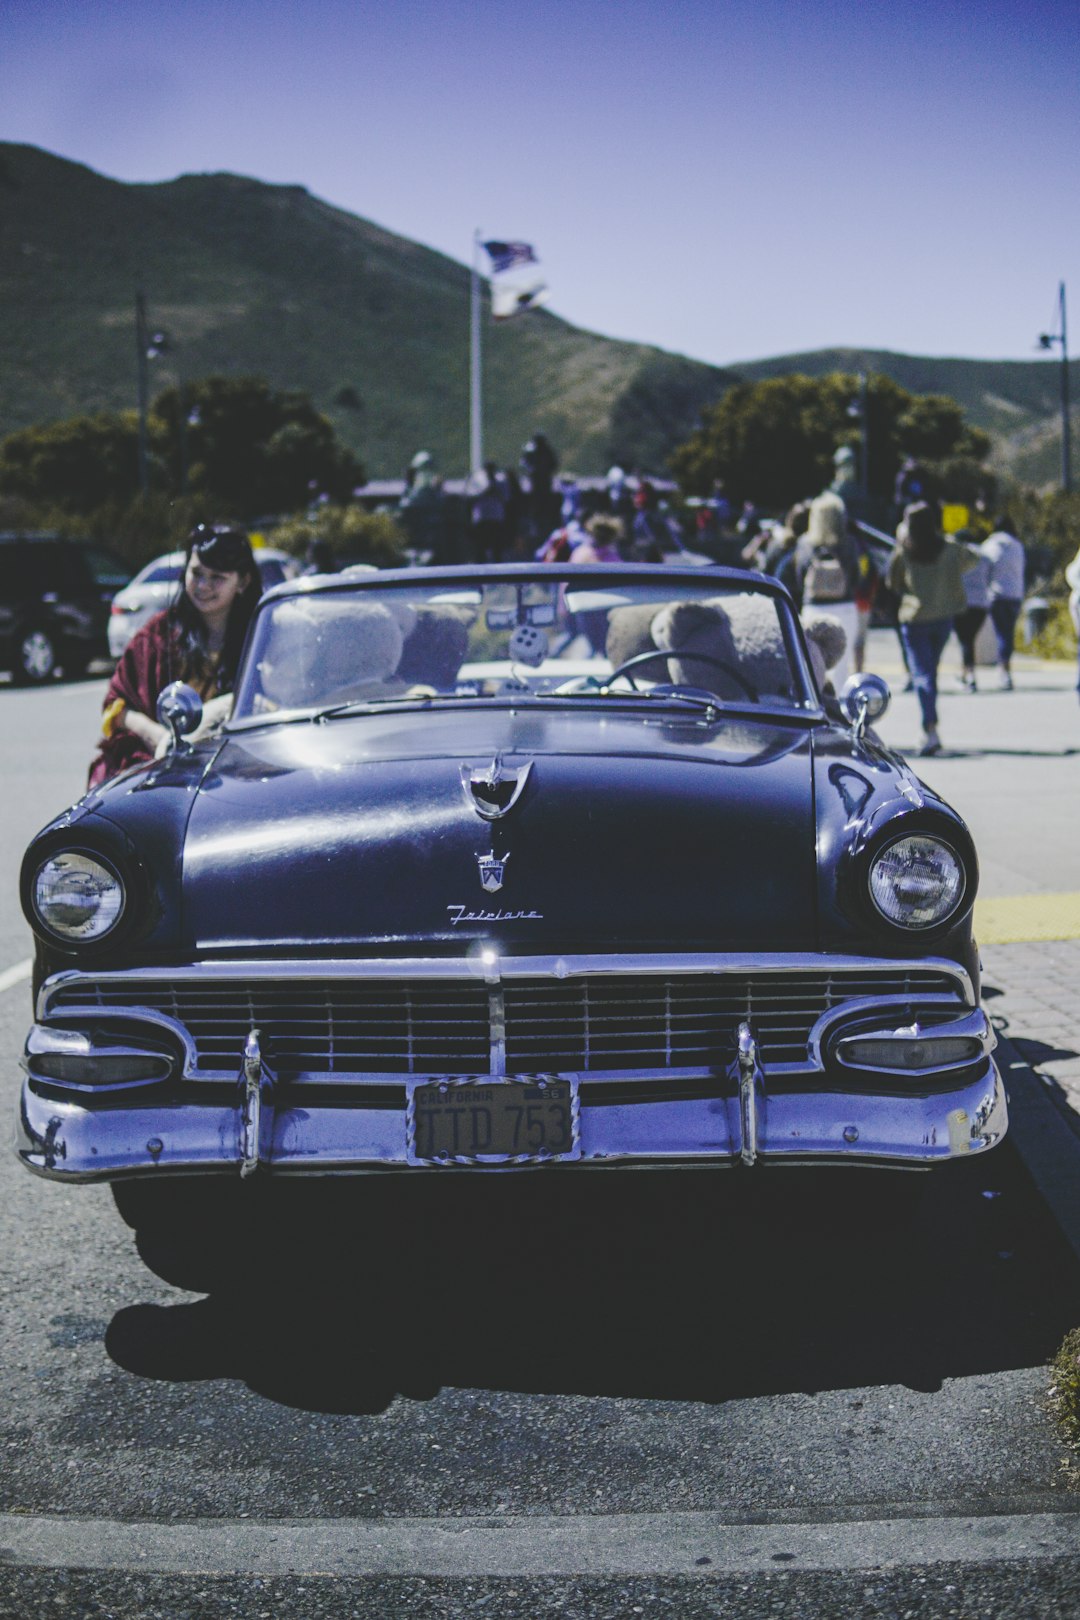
(532, 1119)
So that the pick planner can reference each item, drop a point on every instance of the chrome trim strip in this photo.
(251, 1106)
(256, 1108)
(497, 1025)
(480, 966)
(750, 1078)
(68, 1041)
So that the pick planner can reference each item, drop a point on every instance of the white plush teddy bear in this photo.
(324, 650)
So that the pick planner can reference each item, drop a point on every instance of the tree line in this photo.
(773, 442)
(235, 447)
(233, 444)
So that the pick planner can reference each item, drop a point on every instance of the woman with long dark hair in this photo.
(197, 639)
(926, 571)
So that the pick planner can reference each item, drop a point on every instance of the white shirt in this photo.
(1006, 556)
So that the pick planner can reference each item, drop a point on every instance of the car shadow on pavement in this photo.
(704, 1287)
(1037, 1055)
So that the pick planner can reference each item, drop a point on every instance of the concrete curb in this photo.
(1046, 1140)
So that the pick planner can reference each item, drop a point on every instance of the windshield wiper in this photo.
(698, 700)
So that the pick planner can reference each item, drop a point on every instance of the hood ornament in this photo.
(492, 870)
(493, 790)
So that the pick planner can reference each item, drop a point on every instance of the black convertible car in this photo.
(515, 867)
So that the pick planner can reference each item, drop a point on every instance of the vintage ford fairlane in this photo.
(516, 868)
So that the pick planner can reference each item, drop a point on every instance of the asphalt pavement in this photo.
(672, 1401)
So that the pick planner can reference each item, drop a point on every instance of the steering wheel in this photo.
(690, 656)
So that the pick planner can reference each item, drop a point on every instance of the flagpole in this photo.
(476, 424)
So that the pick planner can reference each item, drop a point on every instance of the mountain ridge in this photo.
(252, 278)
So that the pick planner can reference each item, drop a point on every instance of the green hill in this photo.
(254, 279)
(248, 278)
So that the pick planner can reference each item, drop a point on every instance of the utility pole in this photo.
(1047, 340)
(476, 400)
(1066, 459)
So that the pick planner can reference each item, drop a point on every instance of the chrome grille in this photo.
(684, 1022)
(317, 1028)
(588, 1024)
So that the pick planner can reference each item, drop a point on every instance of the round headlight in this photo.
(78, 897)
(917, 881)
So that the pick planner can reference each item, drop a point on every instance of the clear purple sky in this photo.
(732, 179)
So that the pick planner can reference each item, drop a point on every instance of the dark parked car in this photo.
(509, 867)
(55, 598)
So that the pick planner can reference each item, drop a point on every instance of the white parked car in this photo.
(154, 587)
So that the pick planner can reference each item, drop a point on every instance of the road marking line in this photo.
(16, 975)
(604, 1544)
(1022, 918)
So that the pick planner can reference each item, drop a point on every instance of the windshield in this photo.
(559, 635)
(162, 573)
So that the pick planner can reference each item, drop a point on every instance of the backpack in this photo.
(826, 578)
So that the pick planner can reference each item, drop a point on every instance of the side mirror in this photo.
(863, 699)
(180, 708)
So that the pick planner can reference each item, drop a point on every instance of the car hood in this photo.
(630, 831)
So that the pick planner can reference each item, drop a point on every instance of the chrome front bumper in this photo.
(69, 1142)
(244, 1119)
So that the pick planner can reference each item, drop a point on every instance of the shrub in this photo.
(1057, 640)
(1065, 1390)
(354, 535)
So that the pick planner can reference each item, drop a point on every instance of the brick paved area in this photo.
(1013, 772)
(1032, 992)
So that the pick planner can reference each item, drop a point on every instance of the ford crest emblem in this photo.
(493, 790)
(492, 868)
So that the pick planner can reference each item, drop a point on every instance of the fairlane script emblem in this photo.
(493, 789)
(492, 869)
(464, 914)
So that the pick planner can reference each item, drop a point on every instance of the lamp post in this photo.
(1047, 340)
(142, 385)
(857, 410)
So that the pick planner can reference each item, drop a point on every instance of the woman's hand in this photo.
(148, 731)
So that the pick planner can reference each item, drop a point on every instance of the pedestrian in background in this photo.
(779, 559)
(489, 515)
(1006, 556)
(926, 571)
(423, 509)
(603, 535)
(319, 557)
(649, 539)
(539, 464)
(867, 581)
(827, 571)
(970, 621)
(618, 500)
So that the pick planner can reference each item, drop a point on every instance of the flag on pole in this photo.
(508, 300)
(507, 255)
(511, 291)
